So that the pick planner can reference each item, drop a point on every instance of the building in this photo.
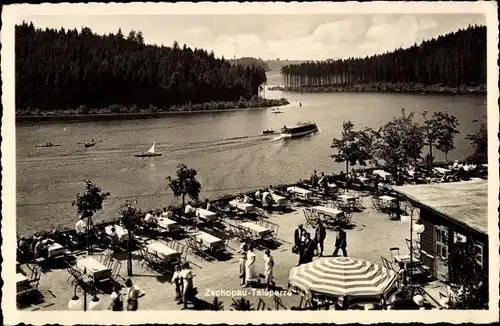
(451, 212)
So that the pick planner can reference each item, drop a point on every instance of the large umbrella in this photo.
(343, 276)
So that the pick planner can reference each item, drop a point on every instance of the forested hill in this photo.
(455, 61)
(249, 61)
(64, 69)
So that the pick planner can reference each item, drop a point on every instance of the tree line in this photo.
(400, 142)
(453, 60)
(64, 69)
(250, 61)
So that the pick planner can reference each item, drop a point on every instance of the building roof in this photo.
(465, 201)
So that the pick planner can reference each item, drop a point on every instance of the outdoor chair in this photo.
(116, 270)
(415, 249)
(394, 252)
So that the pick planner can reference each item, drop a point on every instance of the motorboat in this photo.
(301, 129)
(276, 111)
(150, 153)
(268, 131)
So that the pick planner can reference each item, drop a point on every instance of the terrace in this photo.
(370, 233)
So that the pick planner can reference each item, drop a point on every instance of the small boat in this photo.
(302, 129)
(268, 131)
(150, 153)
(49, 144)
(276, 111)
(300, 104)
(90, 143)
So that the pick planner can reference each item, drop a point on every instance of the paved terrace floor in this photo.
(371, 237)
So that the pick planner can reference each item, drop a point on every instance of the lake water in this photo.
(228, 150)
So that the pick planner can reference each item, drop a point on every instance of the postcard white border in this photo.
(13, 316)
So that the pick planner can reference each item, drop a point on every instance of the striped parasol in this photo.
(343, 276)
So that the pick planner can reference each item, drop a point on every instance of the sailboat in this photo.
(150, 153)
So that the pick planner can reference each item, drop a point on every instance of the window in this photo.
(478, 252)
(459, 238)
(442, 242)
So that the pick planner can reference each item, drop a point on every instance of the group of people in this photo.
(132, 294)
(183, 281)
(248, 272)
(307, 247)
(265, 196)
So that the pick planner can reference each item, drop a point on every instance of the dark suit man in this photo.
(340, 242)
(319, 237)
(308, 248)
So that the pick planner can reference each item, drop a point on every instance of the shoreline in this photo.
(108, 116)
(176, 208)
(384, 88)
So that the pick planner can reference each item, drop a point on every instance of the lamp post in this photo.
(419, 228)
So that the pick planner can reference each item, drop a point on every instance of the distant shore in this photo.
(383, 88)
(118, 112)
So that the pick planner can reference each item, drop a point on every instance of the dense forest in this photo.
(454, 61)
(249, 61)
(64, 70)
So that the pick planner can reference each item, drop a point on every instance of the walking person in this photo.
(309, 249)
(250, 265)
(133, 295)
(268, 268)
(319, 237)
(340, 242)
(116, 299)
(297, 239)
(243, 260)
(177, 280)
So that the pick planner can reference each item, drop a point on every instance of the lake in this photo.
(227, 149)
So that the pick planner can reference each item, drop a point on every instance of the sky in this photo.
(269, 36)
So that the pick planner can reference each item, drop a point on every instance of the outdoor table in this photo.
(256, 229)
(93, 268)
(206, 215)
(441, 170)
(333, 212)
(383, 174)
(119, 230)
(404, 260)
(55, 249)
(209, 240)
(245, 207)
(167, 224)
(363, 179)
(347, 197)
(386, 198)
(280, 200)
(162, 251)
(22, 282)
(300, 192)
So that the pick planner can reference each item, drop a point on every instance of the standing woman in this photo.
(250, 265)
(268, 268)
(133, 294)
(243, 260)
(187, 288)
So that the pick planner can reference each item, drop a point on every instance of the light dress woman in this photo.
(268, 268)
(250, 272)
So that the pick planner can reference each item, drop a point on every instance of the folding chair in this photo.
(116, 270)
(394, 252)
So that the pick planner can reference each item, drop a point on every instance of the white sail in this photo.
(152, 149)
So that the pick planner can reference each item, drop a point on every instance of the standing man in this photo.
(297, 237)
(340, 242)
(319, 237)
